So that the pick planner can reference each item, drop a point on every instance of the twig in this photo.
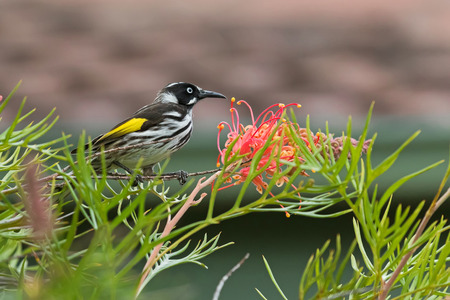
(118, 176)
(431, 210)
(228, 275)
(112, 176)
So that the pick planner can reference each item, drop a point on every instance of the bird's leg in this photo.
(148, 170)
(129, 171)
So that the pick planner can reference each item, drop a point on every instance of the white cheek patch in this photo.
(169, 98)
(193, 101)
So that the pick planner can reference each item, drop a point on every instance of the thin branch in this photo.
(118, 176)
(112, 176)
(228, 275)
(431, 210)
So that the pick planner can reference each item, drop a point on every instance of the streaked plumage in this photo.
(164, 126)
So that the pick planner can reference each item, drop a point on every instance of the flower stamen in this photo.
(249, 140)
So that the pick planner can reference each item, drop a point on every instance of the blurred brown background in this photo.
(99, 61)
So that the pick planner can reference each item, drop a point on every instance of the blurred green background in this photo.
(99, 61)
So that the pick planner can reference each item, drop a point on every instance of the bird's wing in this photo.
(121, 129)
(145, 118)
(129, 125)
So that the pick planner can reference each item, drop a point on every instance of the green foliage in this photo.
(272, 277)
(326, 274)
(66, 232)
(399, 257)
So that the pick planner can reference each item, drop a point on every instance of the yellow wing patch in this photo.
(130, 126)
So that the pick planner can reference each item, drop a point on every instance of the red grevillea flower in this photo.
(251, 139)
(277, 139)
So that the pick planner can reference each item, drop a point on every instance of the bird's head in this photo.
(185, 94)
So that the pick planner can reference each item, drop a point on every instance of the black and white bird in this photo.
(153, 132)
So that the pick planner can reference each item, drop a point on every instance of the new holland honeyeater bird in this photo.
(153, 132)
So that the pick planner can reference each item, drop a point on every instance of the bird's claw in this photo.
(138, 179)
(182, 176)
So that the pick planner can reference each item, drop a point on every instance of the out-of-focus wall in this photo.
(97, 61)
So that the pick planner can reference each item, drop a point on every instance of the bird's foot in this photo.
(138, 179)
(182, 176)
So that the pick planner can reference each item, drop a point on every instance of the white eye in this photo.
(189, 90)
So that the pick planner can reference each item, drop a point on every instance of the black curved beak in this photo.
(210, 94)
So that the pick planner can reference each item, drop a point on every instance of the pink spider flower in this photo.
(249, 140)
